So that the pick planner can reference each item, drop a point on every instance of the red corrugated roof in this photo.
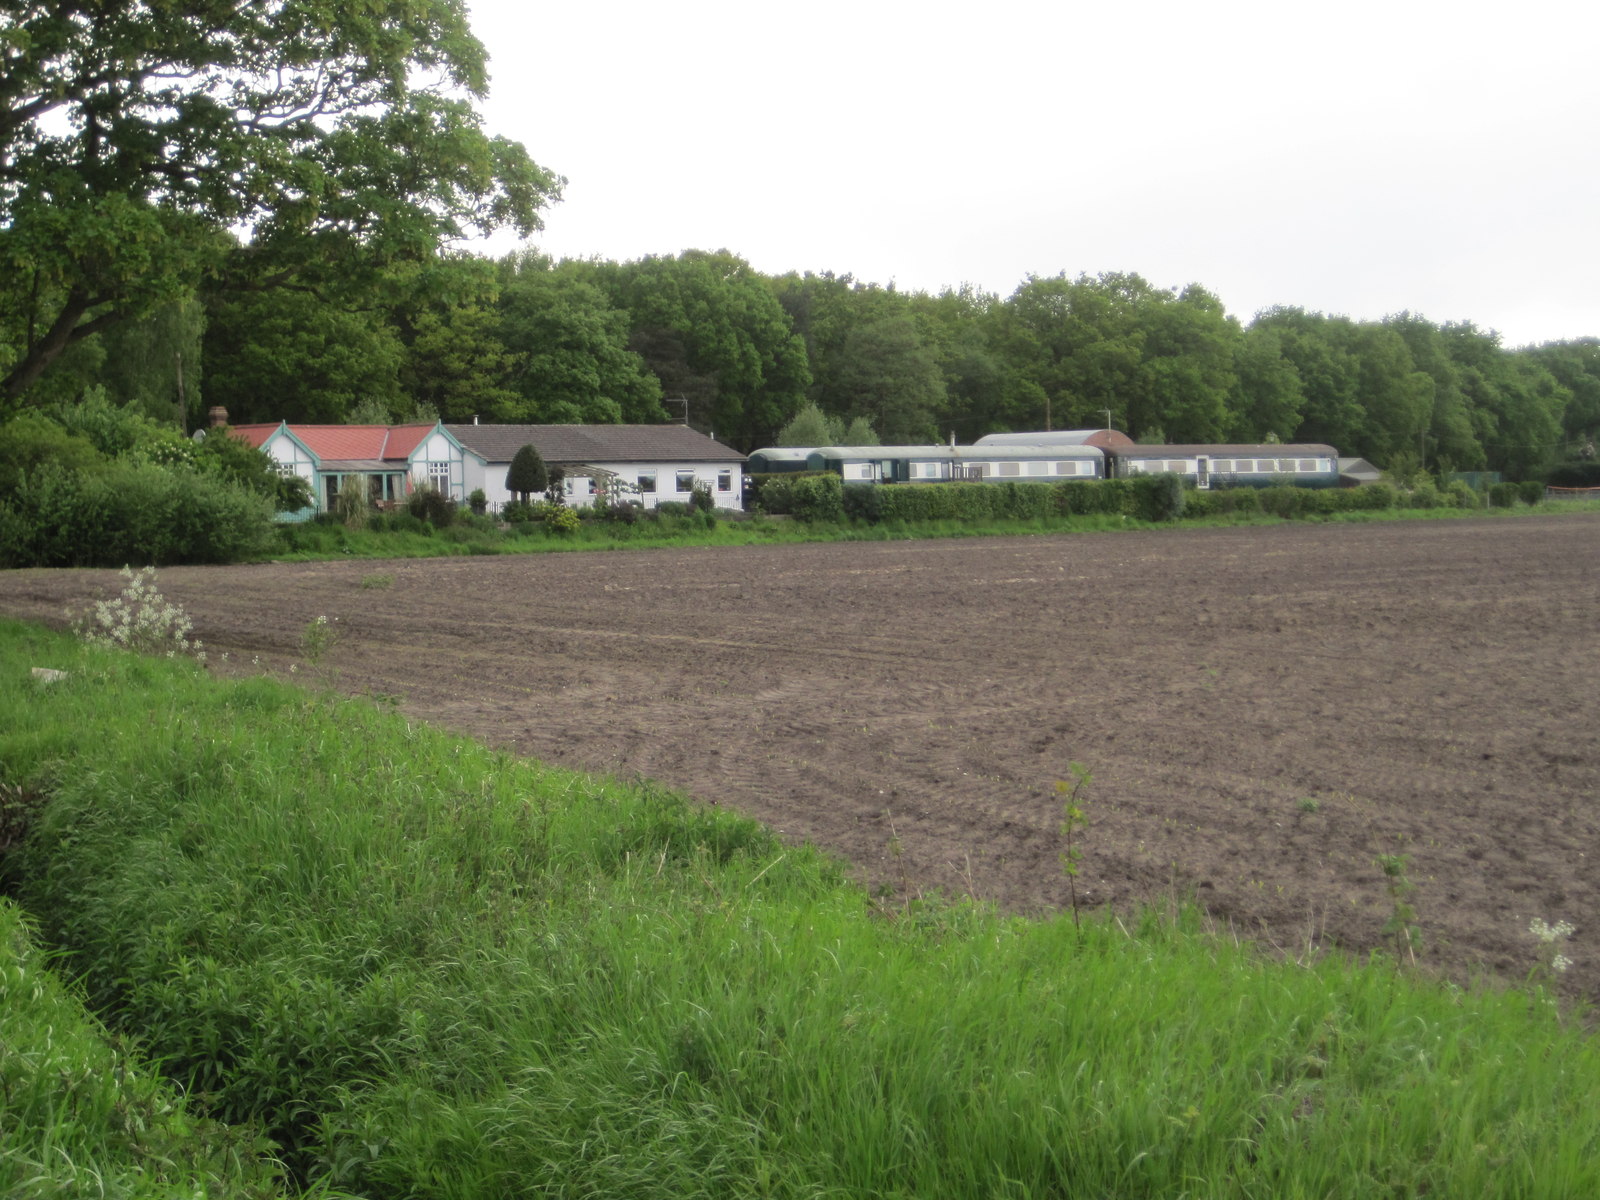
(336, 443)
(255, 435)
(403, 439)
(346, 443)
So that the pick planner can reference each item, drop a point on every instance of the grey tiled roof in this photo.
(594, 443)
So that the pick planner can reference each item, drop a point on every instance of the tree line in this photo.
(255, 206)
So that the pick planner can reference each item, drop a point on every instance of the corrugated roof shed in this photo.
(594, 443)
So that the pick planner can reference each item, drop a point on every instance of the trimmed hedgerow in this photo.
(817, 498)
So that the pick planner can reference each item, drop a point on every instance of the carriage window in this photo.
(1285, 466)
(1066, 468)
(1264, 464)
(1178, 465)
(1038, 468)
(1308, 464)
(1010, 468)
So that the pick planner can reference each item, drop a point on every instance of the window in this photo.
(686, 481)
(1264, 464)
(1178, 465)
(1066, 468)
(1221, 464)
(1308, 464)
(724, 481)
(1010, 468)
(439, 477)
(1285, 466)
(647, 481)
(1038, 468)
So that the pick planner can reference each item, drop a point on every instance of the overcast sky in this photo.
(1357, 158)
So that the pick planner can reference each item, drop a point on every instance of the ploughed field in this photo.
(1265, 711)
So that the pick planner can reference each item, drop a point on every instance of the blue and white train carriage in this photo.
(1308, 465)
(935, 463)
(1055, 457)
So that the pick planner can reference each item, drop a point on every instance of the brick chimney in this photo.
(218, 415)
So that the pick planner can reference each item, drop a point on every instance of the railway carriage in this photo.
(1308, 465)
(1064, 455)
(941, 463)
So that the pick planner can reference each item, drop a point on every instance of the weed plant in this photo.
(435, 971)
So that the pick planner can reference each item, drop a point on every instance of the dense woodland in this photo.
(262, 207)
(702, 334)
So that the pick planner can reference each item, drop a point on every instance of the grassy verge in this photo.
(83, 1117)
(307, 543)
(435, 971)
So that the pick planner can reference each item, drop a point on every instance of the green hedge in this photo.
(131, 513)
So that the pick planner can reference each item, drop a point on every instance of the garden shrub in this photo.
(1531, 491)
(404, 522)
(516, 512)
(700, 498)
(1373, 497)
(1460, 494)
(1424, 495)
(431, 505)
(817, 498)
(672, 508)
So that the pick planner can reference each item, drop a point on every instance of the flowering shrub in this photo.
(140, 619)
(1551, 938)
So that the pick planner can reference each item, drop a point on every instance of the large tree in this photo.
(134, 134)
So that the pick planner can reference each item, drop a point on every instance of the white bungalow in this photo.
(647, 463)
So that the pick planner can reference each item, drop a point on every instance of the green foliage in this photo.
(700, 497)
(817, 498)
(85, 1117)
(1531, 491)
(415, 960)
(478, 501)
(810, 426)
(712, 332)
(568, 354)
(130, 513)
(30, 441)
(1073, 822)
(864, 501)
(1402, 924)
(130, 146)
(318, 637)
(527, 474)
(1157, 497)
(557, 518)
(351, 506)
(431, 505)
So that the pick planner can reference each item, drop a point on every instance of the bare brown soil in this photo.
(1265, 711)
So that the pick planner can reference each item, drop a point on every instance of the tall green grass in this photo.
(435, 971)
(80, 1116)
